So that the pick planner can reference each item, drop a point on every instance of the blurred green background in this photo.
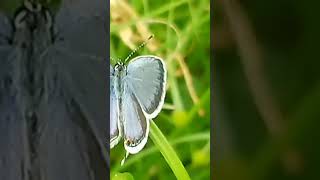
(267, 89)
(182, 38)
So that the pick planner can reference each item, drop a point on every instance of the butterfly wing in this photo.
(146, 77)
(81, 26)
(144, 92)
(75, 130)
(135, 124)
(82, 48)
(13, 163)
(81, 43)
(115, 132)
(13, 153)
(73, 141)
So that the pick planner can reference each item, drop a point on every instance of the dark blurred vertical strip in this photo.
(212, 104)
(66, 123)
(108, 82)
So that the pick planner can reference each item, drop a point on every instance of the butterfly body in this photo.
(119, 74)
(32, 36)
(137, 94)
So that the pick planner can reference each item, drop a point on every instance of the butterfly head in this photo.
(120, 67)
(31, 15)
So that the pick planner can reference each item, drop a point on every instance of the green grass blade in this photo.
(168, 152)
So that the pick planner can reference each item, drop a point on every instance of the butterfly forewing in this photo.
(146, 78)
(79, 55)
(83, 16)
(81, 79)
(74, 76)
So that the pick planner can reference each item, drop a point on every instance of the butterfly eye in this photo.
(118, 66)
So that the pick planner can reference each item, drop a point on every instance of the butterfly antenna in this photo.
(138, 48)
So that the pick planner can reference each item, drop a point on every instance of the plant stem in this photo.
(168, 152)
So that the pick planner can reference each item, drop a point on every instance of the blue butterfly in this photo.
(137, 92)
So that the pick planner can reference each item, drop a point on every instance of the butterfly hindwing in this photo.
(12, 123)
(65, 140)
(115, 129)
(135, 124)
(12, 133)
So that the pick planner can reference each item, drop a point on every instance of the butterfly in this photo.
(137, 92)
(52, 92)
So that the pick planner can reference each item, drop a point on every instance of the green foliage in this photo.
(180, 140)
